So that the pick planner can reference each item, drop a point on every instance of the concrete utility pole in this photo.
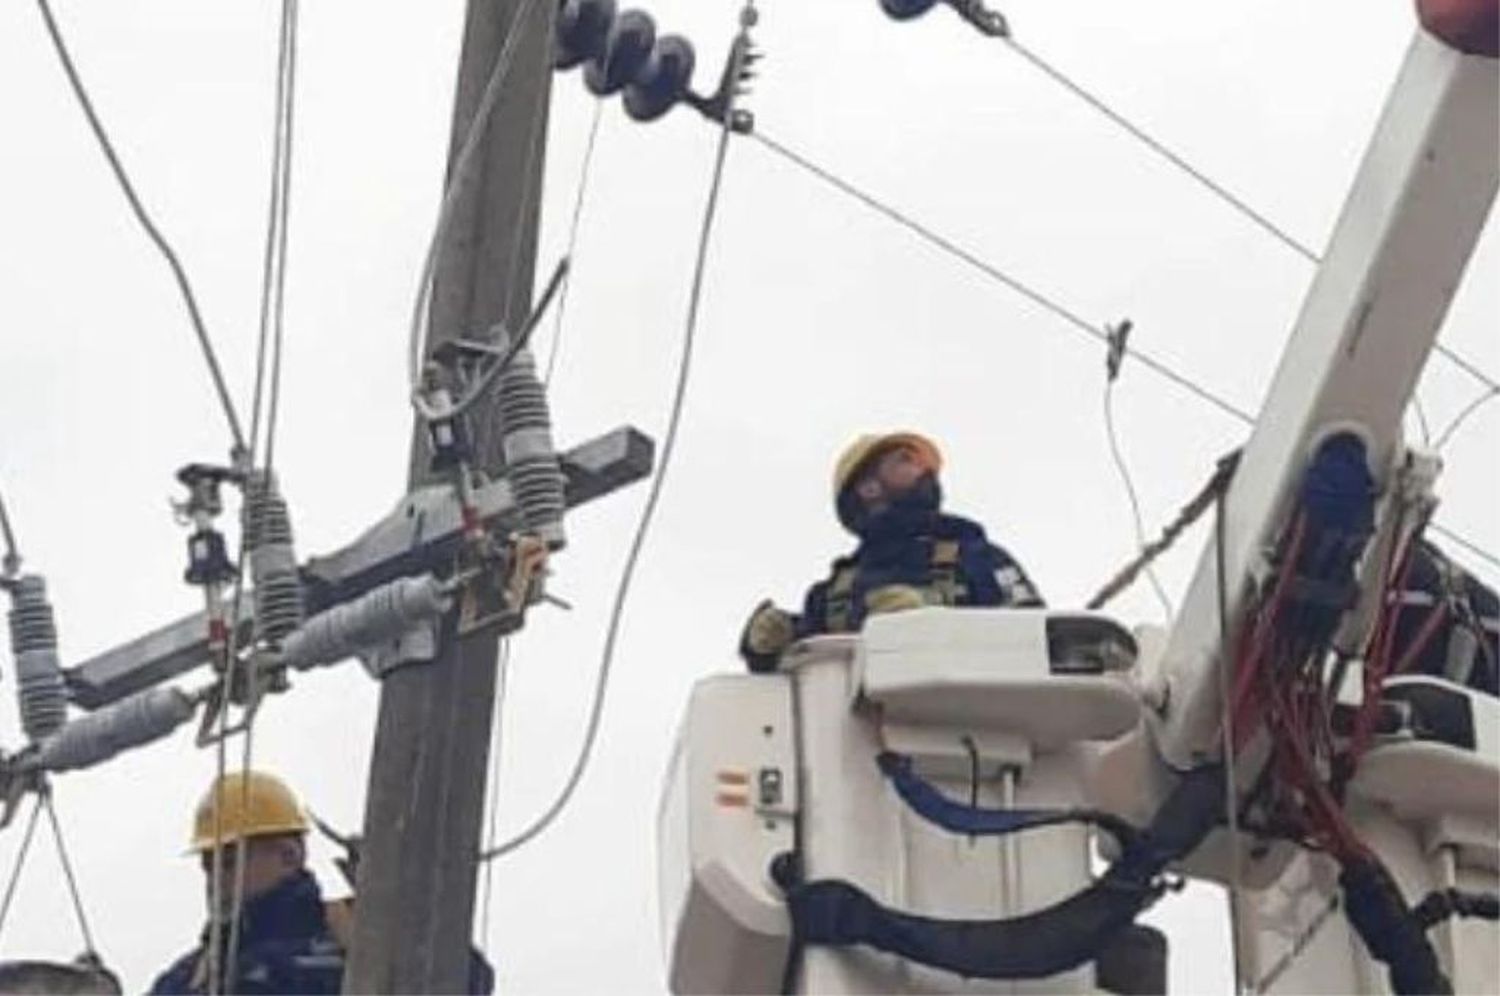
(427, 778)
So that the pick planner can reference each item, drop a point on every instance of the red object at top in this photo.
(1471, 26)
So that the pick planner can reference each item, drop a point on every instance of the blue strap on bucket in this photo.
(932, 805)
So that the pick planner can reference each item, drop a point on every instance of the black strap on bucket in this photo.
(1058, 938)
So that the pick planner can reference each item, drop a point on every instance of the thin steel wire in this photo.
(1466, 543)
(20, 863)
(1420, 411)
(1463, 416)
(966, 257)
(1210, 184)
(1134, 498)
(67, 867)
(144, 218)
(286, 101)
(596, 711)
(1140, 134)
(994, 272)
(578, 198)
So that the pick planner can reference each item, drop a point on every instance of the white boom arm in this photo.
(1366, 328)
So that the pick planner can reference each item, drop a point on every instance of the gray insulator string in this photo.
(267, 538)
(377, 617)
(106, 733)
(40, 688)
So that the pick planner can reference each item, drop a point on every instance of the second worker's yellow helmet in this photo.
(867, 447)
(246, 804)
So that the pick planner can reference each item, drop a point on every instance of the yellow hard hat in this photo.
(254, 804)
(859, 452)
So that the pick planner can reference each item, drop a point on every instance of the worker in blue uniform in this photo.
(290, 939)
(910, 553)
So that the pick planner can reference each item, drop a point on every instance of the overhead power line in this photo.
(1210, 184)
(189, 301)
(994, 272)
(583, 185)
(269, 339)
(653, 497)
(971, 260)
(1463, 416)
(278, 211)
(1467, 544)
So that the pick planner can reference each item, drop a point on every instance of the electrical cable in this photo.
(20, 863)
(951, 248)
(583, 186)
(1208, 183)
(1134, 498)
(492, 821)
(271, 328)
(1156, 146)
(152, 232)
(669, 442)
(458, 175)
(67, 866)
(273, 278)
(992, 271)
(531, 183)
(1463, 416)
(1467, 544)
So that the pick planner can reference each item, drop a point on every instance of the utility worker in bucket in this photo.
(910, 552)
(289, 939)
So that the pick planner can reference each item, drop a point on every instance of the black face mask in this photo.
(908, 514)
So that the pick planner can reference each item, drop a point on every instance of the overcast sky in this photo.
(820, 320)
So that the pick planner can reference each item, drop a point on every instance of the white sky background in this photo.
(819, 320)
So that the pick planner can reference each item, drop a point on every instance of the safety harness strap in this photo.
(931, 804)
(840, 605)
(944, 585)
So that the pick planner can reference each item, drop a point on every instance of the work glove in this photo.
(768, 632)
(893, 598)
